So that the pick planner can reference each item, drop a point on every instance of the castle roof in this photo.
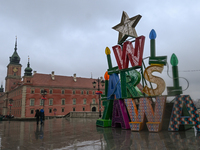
(61, 81)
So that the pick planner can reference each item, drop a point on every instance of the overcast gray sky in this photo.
(70, 37)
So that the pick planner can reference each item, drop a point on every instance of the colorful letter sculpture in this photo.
(120, 115)
(133, 78)
(157, 80)
(176, 119)
(145, 107)
(134, 55)
(114, 87)
(122, 87)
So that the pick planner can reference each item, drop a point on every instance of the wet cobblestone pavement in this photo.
(82, 134)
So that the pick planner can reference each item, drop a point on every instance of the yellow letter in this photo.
(157, 80)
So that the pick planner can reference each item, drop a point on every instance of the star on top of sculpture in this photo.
(126, 27)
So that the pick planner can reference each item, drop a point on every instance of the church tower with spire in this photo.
(13, 70)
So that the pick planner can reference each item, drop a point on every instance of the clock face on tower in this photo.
(15, 70)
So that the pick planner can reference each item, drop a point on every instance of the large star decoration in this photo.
(126, 27)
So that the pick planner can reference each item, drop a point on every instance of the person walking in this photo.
(37, 115)
(41, 115)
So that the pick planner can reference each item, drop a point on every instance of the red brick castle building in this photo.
(64, 93)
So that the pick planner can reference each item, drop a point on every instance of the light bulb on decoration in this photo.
(174, 60)
(152, 34)
(107, 51)
(176, 89)
(106, 76)
(162, 60)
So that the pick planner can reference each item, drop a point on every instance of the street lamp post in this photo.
(10, 101)
(43, 92)
(98, 92)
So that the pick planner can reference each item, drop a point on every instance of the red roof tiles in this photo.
(61, 81)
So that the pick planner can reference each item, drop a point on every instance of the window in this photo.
(41, 102)
(93, 92)
(63, 91)
(87, 92)
(74, 109)
(50, 101)
(93, 101)
(50, 110)
(50, 91)
(41, 91)
(83, 108)
(74, 101)
(81, 92)
(74, 92)
(32, 101)
(32, 111)
(84, 101)
(32, 91)
(63, 101)
(63, 109)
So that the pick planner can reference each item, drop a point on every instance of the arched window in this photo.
(93, 109)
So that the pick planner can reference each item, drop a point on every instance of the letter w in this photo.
(154, 117)
(134, 55)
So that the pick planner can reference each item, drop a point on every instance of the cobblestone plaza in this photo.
(82, 134)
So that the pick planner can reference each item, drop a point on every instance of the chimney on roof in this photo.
(34, 72)
(52, 75)
(74, 77)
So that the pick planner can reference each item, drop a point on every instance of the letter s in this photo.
(154, 79)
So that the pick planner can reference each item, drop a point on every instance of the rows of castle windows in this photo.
(15, 93)
(16, 103)
(32, 101)
(15, 112)
(63, 91)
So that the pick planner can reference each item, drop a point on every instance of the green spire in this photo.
(28, 70)
(174, 60)
(15, 59)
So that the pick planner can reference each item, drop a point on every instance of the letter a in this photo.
(120, 115)
(176, 120)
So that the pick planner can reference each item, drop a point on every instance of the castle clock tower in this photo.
(13, 70)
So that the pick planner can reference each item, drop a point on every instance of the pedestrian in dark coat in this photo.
(37, 115)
